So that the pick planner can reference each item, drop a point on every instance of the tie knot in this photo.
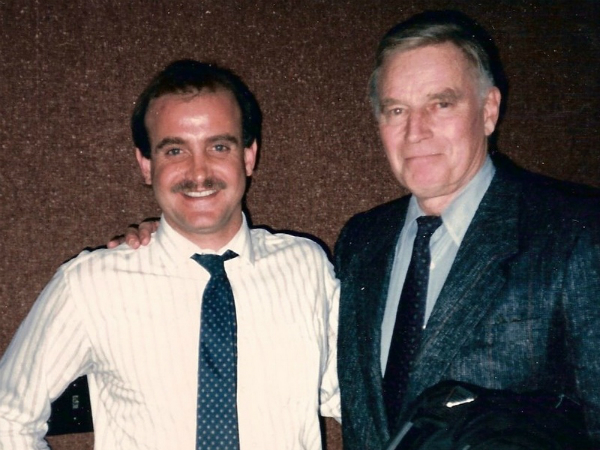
(214, 263)
(428, 225)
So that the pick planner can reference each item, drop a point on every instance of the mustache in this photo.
(189, 185)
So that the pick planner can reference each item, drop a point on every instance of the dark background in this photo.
(70, 72)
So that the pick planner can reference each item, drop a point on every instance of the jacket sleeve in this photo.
(581, 299)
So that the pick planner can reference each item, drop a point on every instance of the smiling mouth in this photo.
(423, 154)
(196, 194)
(422, 157)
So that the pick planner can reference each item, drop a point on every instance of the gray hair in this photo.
(434, 28)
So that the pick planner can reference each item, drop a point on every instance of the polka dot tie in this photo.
(409, 319)
(217, 426)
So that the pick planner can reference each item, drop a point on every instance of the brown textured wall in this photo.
(70, 71)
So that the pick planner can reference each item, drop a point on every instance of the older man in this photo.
(215, 335)
(485, 273)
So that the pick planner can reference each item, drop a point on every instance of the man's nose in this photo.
(199, 166)
(418, 126)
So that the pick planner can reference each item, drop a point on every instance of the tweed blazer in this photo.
(520, 308)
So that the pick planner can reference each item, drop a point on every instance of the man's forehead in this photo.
(168, 116)
(446, 50)
(191, 94)
(436, 70)
(171, 99)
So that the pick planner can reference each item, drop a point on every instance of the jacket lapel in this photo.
(372, 284)
(474, 279)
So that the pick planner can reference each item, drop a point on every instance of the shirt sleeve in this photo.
(329, 391)
(48, 351)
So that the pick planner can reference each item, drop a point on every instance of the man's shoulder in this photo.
(545, 204)
(381, 214)
(95, 261)
(570, 198)
(548, 190)
(377, 220)
(267, 241)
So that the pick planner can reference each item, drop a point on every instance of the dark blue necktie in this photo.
(409, 319)
(217, 427)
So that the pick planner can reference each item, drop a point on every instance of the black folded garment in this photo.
(459, 416)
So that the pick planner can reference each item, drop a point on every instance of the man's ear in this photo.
(491, 110)
(250, 158)
(145, 166)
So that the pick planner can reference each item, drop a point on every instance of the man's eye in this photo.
(221, 148)
(173, 151)
(444, 104)
(394, 111)
(394, 115)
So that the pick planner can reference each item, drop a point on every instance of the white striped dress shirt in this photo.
(130, 319)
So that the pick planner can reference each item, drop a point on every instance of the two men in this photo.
(510, 297)
(508, 286)
(163, 360)
(508, 294)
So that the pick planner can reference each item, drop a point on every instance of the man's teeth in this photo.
(200, 194)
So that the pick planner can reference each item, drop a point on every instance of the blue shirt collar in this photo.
(458, 214)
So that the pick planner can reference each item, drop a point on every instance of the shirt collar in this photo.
(458, 214)
(181, 249)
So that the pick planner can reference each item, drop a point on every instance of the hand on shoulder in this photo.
(136, 235)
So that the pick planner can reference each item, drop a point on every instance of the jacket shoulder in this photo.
(370, 226)
(549, 202)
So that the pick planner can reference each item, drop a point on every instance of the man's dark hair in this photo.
(189, 76)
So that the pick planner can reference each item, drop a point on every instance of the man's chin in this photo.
(424, 187)
(207, 226)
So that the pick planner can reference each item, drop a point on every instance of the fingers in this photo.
(136, 235)
(116, 241)
(145, 230)
(133, 237)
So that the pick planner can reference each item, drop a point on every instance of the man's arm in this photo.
(48, 351)
(582, 305)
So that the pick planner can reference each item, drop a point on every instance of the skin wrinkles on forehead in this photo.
(188, 121)
(480, 79)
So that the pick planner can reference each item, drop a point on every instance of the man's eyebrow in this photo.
(169, 141)
(224, 137)
(389, 101)
(447, 95)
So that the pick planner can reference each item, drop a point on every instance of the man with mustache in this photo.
(214, 336)
(485, 273)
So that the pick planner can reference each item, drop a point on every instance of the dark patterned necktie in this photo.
(217, 426)
(409, 319)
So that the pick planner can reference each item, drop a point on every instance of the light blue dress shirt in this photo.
(444, 245)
